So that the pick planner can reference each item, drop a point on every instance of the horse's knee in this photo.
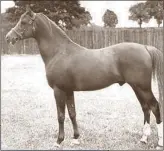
(72, 115)
(61, 118)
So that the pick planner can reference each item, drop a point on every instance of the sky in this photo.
(98, 8)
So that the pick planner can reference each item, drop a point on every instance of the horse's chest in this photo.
(58, 76)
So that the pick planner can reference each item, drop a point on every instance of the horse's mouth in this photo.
(13, 42)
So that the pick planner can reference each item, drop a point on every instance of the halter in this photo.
(20, 34)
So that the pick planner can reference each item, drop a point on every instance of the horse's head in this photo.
(24, 29)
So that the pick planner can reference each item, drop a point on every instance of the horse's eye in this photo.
(23, 23)
(30, 22)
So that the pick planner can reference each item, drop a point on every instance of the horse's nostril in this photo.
(7, 39)
(16, 39)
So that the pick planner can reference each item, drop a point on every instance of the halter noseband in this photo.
(22, 32)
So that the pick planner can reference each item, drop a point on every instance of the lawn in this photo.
(109, 118)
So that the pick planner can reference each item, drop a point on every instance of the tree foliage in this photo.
(139, 13)
(155, 9)
(110, 19)
(66, 14)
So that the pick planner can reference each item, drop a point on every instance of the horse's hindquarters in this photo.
(135, 65)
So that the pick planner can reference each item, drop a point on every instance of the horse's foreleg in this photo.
(72, 114)
(146, 111)
(60, 97)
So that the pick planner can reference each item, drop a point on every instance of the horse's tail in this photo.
(158, 69)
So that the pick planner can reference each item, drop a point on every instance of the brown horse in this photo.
(71, 67)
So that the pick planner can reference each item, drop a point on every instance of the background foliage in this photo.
(110, 19)
(66, 14)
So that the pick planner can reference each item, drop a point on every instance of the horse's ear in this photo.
(29, 11)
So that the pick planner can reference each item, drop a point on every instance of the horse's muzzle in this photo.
(11, 40)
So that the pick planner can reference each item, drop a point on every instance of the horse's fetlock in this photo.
(76, 135)
(60, 139)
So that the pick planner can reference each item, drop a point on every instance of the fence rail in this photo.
(92, 38)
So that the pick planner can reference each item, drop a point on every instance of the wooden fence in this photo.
(92, 38)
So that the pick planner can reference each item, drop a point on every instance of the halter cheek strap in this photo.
(32, 21)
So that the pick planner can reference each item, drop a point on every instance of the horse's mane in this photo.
(59, 30)
(56, 26)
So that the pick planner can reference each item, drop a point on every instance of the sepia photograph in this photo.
(82, 75)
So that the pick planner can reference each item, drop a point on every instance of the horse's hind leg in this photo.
(148, 97)
(72, 114)
(154, 105)
(146, 111)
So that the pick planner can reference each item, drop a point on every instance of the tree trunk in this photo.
(140, 23)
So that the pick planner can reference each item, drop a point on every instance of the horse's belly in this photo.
(83, 73)
(94, 82)
(91, 86)
(94, 75)
(81, 84)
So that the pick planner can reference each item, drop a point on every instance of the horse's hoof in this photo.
(57, 145)
(143, 140)
(160, 142)
(75, 142)
(4, 146)
(159, 147)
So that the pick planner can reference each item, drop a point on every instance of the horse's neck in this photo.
(52, 41)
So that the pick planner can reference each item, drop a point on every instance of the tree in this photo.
(110, 19)
(66, 14)
(159, 17)
(139, 13)
(155, 9)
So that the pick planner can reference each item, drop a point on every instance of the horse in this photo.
(71, 67)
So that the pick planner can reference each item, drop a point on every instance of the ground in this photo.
(110, 118)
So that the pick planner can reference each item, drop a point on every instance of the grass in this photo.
(109, 119)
